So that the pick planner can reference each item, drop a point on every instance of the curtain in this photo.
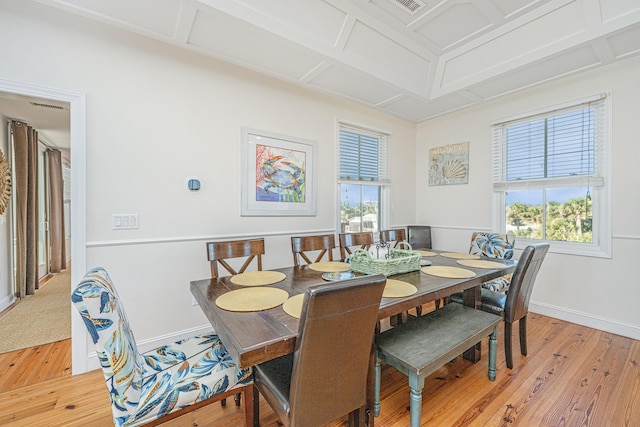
(25, 151)
(57, 255)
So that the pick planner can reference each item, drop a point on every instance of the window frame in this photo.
(383, 182)
(600, 194)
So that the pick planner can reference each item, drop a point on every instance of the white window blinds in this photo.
(556, 149)
(363, 156)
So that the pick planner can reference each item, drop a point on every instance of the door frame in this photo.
(78, 136)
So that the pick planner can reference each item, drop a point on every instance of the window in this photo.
(363, 178)
(550, 178)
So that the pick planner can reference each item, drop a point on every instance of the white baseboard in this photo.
(585, 319)
(6, 302)
(149, 344)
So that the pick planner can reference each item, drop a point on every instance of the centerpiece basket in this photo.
(399, 261)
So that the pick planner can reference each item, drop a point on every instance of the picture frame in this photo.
(449, 164)
(278, 174)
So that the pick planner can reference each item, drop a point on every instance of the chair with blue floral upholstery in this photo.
(161, 384)
(494, 245)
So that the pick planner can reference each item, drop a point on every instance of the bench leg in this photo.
(417, 384)
(493, 350)
(376, 385)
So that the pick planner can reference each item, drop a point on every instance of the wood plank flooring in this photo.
(572, 376)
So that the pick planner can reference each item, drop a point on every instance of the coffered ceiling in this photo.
(415, 59)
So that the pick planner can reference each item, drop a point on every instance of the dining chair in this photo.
(396, 235)
(220, 252)
(419, 236)
(323, 243)
(152, 387)
(326, 375)
(514, 305)
(346, 241)
(494, 245)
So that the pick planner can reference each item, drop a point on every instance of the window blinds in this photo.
(557, 149)
(363, 156)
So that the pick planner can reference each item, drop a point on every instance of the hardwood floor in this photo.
(572, 376)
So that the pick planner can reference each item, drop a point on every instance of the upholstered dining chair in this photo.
(153, 387)
(514, 305)
(323, 243)
(494, 245)
(220, 252)
(346, 241)
(419, 236)
(326, 376)
(396, 235)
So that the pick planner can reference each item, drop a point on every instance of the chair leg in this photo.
(507, 344)
(237, 398)
(223, 402)
(256, 405)
(493, 350)
(249, 411)
(523, 335)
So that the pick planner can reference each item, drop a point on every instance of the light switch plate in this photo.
(125, 222)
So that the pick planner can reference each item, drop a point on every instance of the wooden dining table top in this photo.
(258, 336)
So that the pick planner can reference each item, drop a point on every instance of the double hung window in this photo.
(363, 178)
(550, 178)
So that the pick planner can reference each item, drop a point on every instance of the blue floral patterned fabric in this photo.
(494, 245)
(146, 386)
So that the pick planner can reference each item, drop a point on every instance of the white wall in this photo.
(602, 293)
(156, 115)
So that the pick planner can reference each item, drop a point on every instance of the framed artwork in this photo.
(278, 175)
(449, 164)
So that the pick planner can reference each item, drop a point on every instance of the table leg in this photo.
(473, 298)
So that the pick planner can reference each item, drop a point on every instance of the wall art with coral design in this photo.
(449, 164)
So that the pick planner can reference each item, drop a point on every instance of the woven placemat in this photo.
(480, 263)
(258, 278)
(397, 289)
(252, 299)
(448, 272)
(293, 306)
(459, 255)
(425, 253)
(330, 266)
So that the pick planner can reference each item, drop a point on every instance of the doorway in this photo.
(77, 132)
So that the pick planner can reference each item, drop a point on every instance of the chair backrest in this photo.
(492, 245)
(218, 252)
(524, 276)
(349, 240)
(323, 243)
(331, 358)
(98, 303)
(419, 236)
(395, 235)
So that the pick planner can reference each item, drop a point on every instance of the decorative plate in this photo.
(338, 275)
(5, 183)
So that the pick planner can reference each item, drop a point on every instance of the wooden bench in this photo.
(423, 345)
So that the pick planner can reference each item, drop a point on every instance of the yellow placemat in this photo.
(293, 306)
(330, 266)
(252, 299)
(425, 253)
(480, 263)
(258, 278)
(397, 288)
(448, 272)
(459, 255)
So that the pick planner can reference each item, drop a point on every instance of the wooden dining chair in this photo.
(396, 235)
(514, 305)
(323, 243)
(220, 252)
(349, 240)
(325, 377)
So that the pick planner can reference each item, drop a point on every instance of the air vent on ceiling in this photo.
(410, 6)
(39, 104)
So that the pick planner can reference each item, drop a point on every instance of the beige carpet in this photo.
(41, 318)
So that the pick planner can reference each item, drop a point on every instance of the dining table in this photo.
(254, 337)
